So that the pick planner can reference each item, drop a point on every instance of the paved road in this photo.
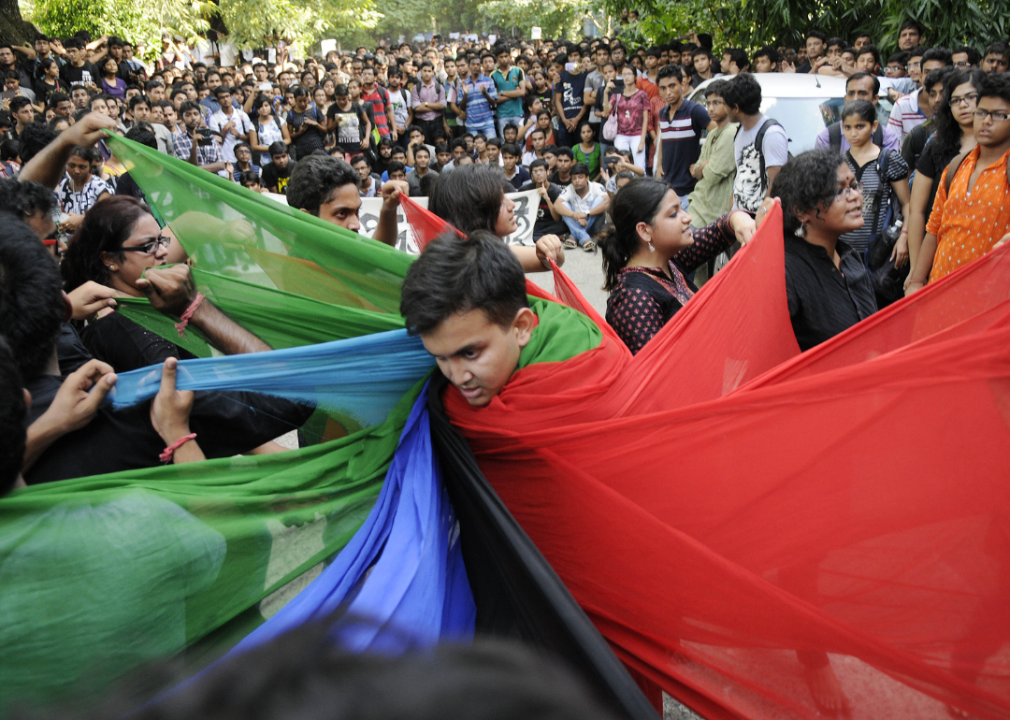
(586, 271)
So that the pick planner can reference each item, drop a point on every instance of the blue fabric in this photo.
(362, 378)
(402, 574)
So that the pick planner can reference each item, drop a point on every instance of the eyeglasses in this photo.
(856, 187)
(913, 65)
(149, 248)
(892, 70)
(997, 117)
(963, 65)
(968, 99)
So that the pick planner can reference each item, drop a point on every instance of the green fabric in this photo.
(281, 319)
(235, 232)
(591, 159)
(561, 334)
(99, 575)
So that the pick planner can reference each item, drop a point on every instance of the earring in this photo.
(112, 268)
(801, 231)
(651, 247)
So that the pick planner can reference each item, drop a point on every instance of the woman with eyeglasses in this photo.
(954, 134)
(828, 288)
(117, 243)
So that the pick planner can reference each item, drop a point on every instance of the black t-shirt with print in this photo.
(273, 177)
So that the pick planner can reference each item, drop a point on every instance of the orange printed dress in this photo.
(968, 225)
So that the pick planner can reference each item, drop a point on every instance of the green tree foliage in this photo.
(140, 22)
(255, 23)
(753, 23)
(558, 18)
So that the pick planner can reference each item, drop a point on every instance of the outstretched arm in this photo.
(49, 164)
(172, 291)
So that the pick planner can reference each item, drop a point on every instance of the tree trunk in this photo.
(13, 28)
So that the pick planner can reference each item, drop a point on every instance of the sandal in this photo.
(570, 243)
(588, 246)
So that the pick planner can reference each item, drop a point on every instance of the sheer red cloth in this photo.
(744, 523)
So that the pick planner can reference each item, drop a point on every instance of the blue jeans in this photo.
(503, 121)
(581, 234)
(487, 131)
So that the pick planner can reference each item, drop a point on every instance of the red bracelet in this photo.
(169, 452)
(186, 316)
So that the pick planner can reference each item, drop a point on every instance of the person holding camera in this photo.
(196, 144)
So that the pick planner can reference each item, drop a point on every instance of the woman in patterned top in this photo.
(650, 250)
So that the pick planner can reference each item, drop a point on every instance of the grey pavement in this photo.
(586, 271)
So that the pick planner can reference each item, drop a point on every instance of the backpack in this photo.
(887, 280)
(835, 137)
(752, 178)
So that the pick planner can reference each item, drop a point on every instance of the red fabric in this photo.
(735, 539)
(424, 225)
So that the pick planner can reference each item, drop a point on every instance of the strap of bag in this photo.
(835, 137)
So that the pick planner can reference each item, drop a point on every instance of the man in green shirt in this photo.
(716, 166)
(511, 85)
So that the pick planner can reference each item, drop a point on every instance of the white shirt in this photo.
(242, 123)
(583, 204)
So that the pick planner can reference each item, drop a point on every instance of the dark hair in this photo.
(939, 75)
(315, 179)
(917, 52)
(455, 276)
(511, 125)
(538, 130)
(31, 303)
(17, 103)
(248, 177)
(668, 71)
(636, 202)
(744, 93)
(862, 75)
(835, 42)
(1000, 47)
(563, 151)
(870, 50)
(25, 198)
(997, 85)
(809, 181)
(511, 149)
(914, 25)
(947, 138)
(9, 148)
(105, 228)
(277, 148)
(13, 419)
(718, 87)
(495, 141)
(816, 34)
(138, 100)
(421, 148)
(972, 53)
(899, 57)
(187, 107)
(143, 133)
(470, 197)
(938, 53)
(395, 166)
(738, 56)
(33, 138)
(769, 52)
(539, 162)
(863, 108)
(441, 147)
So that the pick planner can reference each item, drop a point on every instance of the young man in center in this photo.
(467, 302)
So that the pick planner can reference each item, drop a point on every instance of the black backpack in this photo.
(835, 137)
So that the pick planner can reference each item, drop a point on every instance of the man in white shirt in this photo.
(233, 125)
(582, 206)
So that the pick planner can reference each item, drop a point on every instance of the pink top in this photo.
(629, 113)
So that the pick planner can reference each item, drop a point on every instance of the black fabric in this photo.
(70, 351)
(518, 594)
(823, 300)
(111, 442)
(274, 177)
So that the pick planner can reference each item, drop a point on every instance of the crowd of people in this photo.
(603, 132)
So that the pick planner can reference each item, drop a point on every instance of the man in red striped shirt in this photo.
(378, 97)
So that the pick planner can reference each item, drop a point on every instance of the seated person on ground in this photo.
(649, 252)
(583, 206)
